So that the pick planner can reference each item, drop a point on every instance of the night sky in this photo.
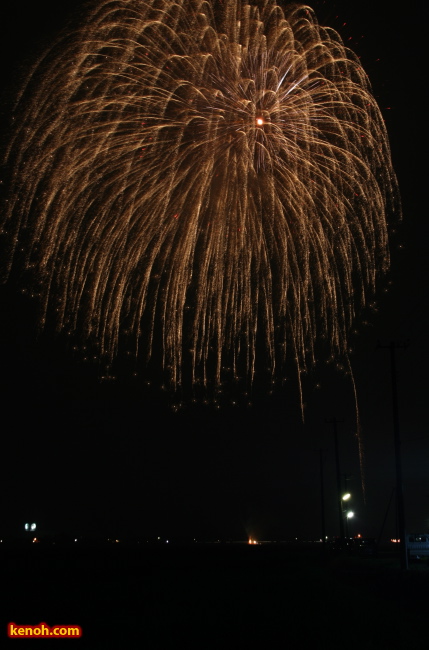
(127, 458)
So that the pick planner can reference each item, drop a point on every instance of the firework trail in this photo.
(218, 172)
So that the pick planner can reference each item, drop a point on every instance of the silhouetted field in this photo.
(207, 596)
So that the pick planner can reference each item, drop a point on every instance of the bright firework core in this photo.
(154, 208)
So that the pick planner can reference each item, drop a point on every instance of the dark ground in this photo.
(208, 596)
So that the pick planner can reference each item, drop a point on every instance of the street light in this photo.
(349, 515)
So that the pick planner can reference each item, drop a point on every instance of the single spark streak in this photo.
(148, 111)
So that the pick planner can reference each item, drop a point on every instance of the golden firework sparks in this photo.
(220, 170)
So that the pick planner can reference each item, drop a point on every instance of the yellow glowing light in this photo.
(259, 121)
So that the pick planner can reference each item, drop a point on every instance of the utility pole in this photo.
(334, 422)
(399, 490)
(322, 499)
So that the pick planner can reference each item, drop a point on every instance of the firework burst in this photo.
(218, 172)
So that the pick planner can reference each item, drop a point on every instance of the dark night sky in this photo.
(83, 455)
